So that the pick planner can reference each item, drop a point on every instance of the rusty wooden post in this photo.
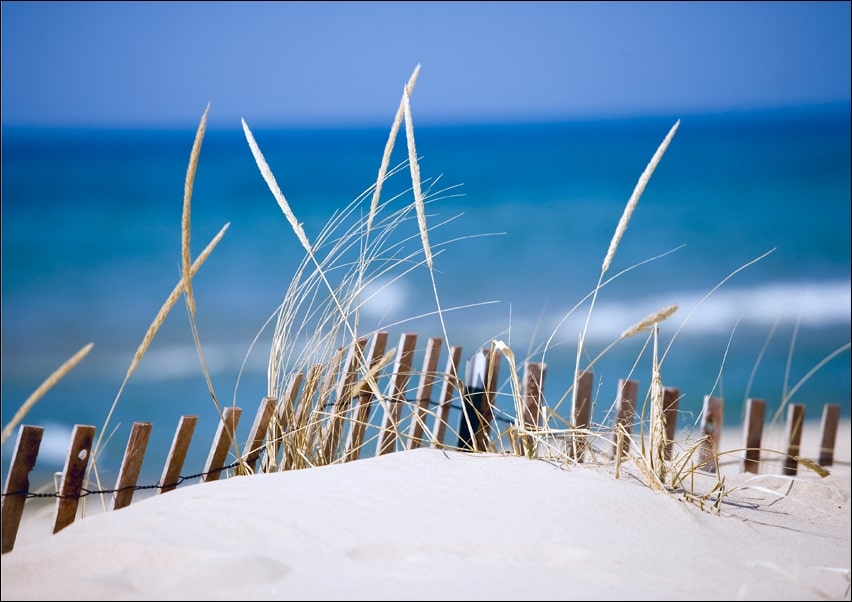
(18, 483)
(423, 397)
(366, 396)
(448, 388)
(671, 398)
(131, 465)
(225, 436)
(396, 394)
(72, 476)
(581, 413)
(625, 412)
(534, 373)
(177, 453)
(795, 420)
(711, 426)
(755, 411)
(828, 433)
(254, 443)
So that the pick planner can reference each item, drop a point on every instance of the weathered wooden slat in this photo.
(284, 421)
(177, 453)
(755, 412)
(254, 443)
(533, 390)
(795, 420)
(671, 398)
(711, 425)
(297, 437)
(131, 465)
(423, 397)
(348, 376)
(395, 399)
(581, 413)
(257, 433)
(625, 413)
(72, 476)
(534, 373)
(366, 395)
(18, 483)
(828, 433)
(445, 400)
(225, 437)
(287, 406)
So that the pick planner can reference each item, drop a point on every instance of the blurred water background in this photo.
(522, 214)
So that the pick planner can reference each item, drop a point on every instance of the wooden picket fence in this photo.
(353, 404)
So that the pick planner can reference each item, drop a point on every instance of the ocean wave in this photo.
(811, 305)
(808, 304)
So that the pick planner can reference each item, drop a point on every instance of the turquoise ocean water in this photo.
(522, 218)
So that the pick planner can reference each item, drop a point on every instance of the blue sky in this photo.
(158, 64)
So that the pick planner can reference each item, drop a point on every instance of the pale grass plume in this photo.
(269, 178)
(43, 388)
(383, 168)
(186, 257)
(415, 180)
(646, 323)
(634, 198)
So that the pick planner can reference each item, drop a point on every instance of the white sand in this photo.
(429, 524)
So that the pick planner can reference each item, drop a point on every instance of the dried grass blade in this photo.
(415, 180)
(383, 168)
(186, 257)
(43, 388)
(634, 198)
(269, 178)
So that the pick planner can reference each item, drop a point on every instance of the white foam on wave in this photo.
(180, 361)
(810, 304)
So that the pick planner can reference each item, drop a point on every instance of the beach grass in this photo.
(342, 393)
